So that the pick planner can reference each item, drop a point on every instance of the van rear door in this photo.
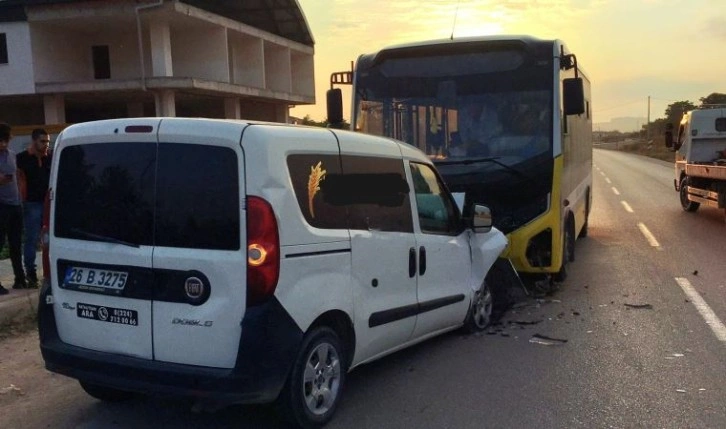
(101, 236)
(199, 259)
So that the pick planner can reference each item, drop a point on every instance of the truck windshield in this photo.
(460, 105)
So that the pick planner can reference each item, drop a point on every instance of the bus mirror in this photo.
(573, 94)
(335, 107)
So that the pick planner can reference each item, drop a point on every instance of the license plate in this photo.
(95, 279)
(107, 314)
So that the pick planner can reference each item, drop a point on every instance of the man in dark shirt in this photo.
(33, 174)
(11, 214)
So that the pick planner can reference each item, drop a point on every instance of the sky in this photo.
(670, 50)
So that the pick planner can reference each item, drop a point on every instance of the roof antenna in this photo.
(456, 14)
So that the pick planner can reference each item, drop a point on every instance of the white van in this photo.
(246, 262)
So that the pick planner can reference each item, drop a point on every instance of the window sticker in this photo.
(317, 175)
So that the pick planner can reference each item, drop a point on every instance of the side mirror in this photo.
(669, 139)
(334, 99)
(573, 96)
(481, 221)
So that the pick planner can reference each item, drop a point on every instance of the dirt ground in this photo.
(20, 383)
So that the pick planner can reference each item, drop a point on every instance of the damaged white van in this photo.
(241, 262)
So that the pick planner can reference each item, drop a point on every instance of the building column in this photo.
(282, 113)
(54, 107)
(160, 36)
(232, 108)
(135, 109)
(165, 101)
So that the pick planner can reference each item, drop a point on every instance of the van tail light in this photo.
(263, 251)
(45, 236)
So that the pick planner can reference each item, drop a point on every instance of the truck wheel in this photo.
(687, 204)
(313, 389)
(106, 394)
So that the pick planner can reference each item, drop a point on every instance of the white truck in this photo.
(700, 168)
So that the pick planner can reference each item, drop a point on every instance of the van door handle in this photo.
(422, 261)
(411, 262)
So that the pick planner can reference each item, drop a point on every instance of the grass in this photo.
(654, 150)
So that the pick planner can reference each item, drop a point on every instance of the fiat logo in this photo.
(194, 288)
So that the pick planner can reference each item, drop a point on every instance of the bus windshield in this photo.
(460, 105)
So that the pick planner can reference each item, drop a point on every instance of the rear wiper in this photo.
(103, 238)
(492, 159)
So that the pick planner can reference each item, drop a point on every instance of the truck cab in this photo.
(700, 161)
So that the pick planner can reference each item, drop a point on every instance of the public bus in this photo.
(507, 121)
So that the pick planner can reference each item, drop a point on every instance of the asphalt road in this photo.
(622, 367)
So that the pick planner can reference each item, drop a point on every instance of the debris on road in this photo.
(639, 306)
(681, 390)
(526, 322)
(695, 273)
(11, 388)
(546, 341)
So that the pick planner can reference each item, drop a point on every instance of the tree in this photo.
(674, 112)
(713, 98)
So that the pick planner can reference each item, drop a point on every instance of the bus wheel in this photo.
(687, 204)
(583, 231)
(568, 251)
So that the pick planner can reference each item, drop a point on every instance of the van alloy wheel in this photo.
(315, 384)
(483, 307)
(480, 312)
(321, 379)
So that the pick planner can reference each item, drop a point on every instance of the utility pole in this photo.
(647, 125)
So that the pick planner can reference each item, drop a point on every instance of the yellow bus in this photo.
(507, 120)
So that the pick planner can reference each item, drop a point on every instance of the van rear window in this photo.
(170, 195)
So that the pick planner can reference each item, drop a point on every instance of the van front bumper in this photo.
(269, 344)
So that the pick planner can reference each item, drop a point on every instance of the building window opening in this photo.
(3, 48)
(101, 62)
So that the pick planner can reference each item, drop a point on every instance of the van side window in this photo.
(437, 213)
(376, 193)
(106, 190)
(197, 197)
(310, 175)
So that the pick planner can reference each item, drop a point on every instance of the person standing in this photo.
(11, 214)
(33, 174)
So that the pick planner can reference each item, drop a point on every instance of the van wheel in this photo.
(480, 311)
(106, 394)
(313, 389)
(687, 204)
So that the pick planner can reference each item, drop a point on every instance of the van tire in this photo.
(320, 345)
(480, 311)
(106, 394)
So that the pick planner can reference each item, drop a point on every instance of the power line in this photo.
(620, 105)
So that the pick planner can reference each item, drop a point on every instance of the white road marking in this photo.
(608, 180)
(648, 235)
(615, 190)
(602, 174)
(627, 207)
(708, 315)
